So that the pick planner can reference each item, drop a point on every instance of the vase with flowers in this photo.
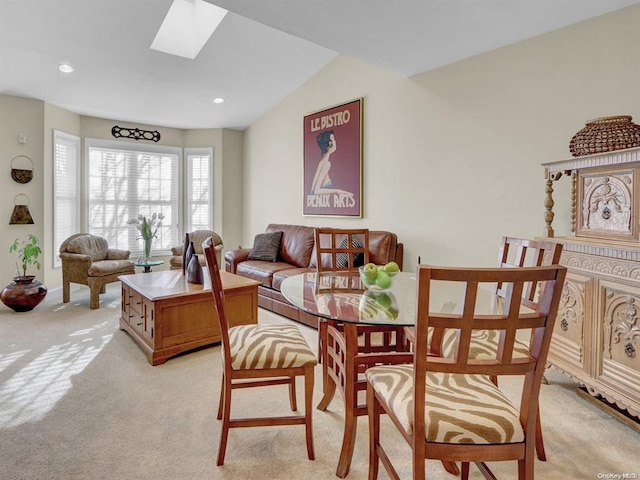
(148, 230)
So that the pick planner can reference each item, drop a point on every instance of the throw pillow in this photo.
(342, 260)
(266, 247)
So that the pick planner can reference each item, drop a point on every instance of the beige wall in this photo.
(452, 157)
(19, 115)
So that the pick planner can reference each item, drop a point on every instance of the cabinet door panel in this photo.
(620, 335)
(568, 344)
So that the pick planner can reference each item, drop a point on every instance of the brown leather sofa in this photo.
(297, 255)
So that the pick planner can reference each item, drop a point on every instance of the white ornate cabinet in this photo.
(597, 336)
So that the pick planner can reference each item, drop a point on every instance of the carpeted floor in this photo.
(78, 400)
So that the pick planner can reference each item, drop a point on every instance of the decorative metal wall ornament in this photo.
(22, 175)
(21, 214)
(135, 133)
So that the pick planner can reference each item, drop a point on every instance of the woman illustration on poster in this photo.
(321, 180)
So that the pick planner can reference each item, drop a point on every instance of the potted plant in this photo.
(28, 252)
(25, 292)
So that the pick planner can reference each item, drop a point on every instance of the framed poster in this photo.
(333, 161)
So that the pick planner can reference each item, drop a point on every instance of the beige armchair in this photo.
(88, 260)
(200, 239)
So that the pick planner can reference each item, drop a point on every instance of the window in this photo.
(124, 181)
(198, 189)
(66, 189)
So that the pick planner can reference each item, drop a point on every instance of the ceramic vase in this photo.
(23, 294)
(185, 247)
(191, 251)
(194, 271)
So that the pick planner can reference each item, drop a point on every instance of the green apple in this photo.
(384, 301)
(370, 271)
(383, 280)
(368, 281)
(391, 267)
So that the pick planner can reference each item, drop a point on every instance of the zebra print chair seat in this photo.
(260, 356)
(460, 408)
(269, 346)
(448, 407)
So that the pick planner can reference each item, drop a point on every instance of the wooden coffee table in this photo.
(165, 315)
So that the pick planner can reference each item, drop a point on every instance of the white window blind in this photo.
(199, 183)
(126, 180)
(66, 189)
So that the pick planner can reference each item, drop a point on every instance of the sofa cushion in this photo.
(297, 243)
(95, 247)
(260, 270)
(266, 246)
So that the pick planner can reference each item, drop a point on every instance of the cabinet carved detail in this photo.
(607, 203)
(611, 266)
(621, 322)
(571, 310)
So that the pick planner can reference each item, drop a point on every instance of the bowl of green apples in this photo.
(378, 277)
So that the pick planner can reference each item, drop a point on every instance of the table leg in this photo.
(147, 269)
(350, 399)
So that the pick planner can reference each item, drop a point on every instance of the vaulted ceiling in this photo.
(262, 51)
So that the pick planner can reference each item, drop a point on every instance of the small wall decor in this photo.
(333, 161)
(21, 214)
(22, 169)
(135, 133)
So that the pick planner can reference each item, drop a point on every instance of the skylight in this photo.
(187, 27)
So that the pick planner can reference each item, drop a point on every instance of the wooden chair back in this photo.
(521, 252)
(539, 321)
(341, 249)
(218, 299)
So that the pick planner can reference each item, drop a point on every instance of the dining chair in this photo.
(345, 250)
(514, 252)
(523, 252)
(448, 408)
(520, 252)
(258, 356)
(338, 250)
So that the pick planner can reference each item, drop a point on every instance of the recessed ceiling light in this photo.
(218, 100)
(187, 27)
(65, 68)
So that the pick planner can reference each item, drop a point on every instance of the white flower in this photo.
(148, 228)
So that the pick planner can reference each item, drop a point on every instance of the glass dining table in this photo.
(341, 298)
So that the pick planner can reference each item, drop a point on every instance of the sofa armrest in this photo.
(176, 251)
(116, 254)
(399, 254)
(233, 257)
(76, 262)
